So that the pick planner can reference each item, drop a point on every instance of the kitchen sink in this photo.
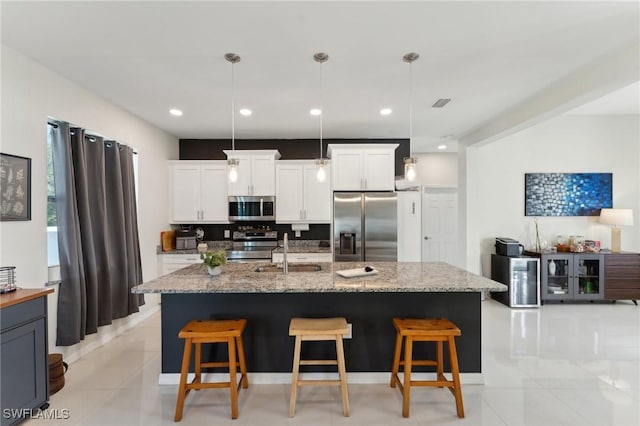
(293, 267)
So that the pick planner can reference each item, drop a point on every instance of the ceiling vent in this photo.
(441, 103)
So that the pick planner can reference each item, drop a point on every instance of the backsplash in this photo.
(216, 232)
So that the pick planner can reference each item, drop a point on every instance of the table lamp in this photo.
(617, 218)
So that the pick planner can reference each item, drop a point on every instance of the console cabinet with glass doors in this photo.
(572, 276)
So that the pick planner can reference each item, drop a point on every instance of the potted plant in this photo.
(213, 260)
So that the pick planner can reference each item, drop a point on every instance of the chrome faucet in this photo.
(285, 246)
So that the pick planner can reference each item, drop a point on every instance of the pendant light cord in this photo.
(410, 101)
(233, 108)
(321, 106)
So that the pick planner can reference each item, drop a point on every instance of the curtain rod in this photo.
(55, 126)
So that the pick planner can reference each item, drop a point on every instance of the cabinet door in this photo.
(379, 170)
(622, 276)
(24, 367)
(409, 224)
(214, 203)
(588, 276)
(243, 185)
(316, 196)
(347, 170)
(556, 273)
(288, 193)
(263, 176)
(184, 193)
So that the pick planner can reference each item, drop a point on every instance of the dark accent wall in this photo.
(290, 149)
(216, 232)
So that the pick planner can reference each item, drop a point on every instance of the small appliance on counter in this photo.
(7, 279)
(185, 239)
(508, 247)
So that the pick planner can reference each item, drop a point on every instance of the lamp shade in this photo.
(620, 217)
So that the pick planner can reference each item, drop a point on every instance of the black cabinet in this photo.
(23, 356)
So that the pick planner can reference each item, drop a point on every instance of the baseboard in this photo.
(285, 378)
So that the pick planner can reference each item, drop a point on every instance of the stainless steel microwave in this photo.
(252, 208)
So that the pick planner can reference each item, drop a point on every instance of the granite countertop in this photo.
(391, 277)
(303, 246)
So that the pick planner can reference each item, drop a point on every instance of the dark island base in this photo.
(269, 348)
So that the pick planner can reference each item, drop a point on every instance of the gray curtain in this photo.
(97, 232)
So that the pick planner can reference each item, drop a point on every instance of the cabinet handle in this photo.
(413, 207)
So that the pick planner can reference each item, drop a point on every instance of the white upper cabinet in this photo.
(300, 198)
(362, 167)
(256, 172)
(198, 192)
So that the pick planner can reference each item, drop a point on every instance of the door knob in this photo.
(426, 238)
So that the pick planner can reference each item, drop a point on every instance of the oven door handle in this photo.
(261, 207)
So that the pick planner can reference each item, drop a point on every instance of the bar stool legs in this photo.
(425, 330)
(318, 329)
(222, 331)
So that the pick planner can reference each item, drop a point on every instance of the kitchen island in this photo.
(268, 300)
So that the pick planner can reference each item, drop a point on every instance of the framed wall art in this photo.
(15, 187)
(567, 194)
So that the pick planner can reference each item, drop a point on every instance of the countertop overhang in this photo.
(391, 277)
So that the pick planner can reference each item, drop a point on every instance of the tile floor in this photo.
(558, 365)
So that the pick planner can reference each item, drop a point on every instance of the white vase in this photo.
(214, 270)
(552, 267)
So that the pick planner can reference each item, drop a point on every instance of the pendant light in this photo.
(321, 163)
(233, 163)
(410, 162)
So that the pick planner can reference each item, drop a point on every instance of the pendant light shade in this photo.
(321, 163)
(233, 163)
(410, 171)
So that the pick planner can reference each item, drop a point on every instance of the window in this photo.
(52, 222)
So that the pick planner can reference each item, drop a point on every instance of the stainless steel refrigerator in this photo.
(365, 226)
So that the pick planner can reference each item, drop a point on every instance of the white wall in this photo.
(30, 94)
(495, 180)
(438, 169)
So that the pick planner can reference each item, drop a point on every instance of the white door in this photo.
(379, 170)
(243, 185)
(263, 175)
(317, 196)
(346, 170)
(288, 193)
(440, 225)
(185, 193)
(214, 203)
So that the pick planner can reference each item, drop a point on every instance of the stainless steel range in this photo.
(252, 244)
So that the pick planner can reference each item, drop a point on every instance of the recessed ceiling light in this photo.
(315, 111)
(441, 147)
(246, 112)
(385, 111)
(176, 112)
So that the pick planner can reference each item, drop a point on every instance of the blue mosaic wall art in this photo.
(567, 194)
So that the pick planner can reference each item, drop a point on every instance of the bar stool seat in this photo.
(318, 329)
(212, 331)
(437, 330)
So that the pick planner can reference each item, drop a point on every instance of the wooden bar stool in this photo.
(212, 331)
(437, 330)
(318, 329)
